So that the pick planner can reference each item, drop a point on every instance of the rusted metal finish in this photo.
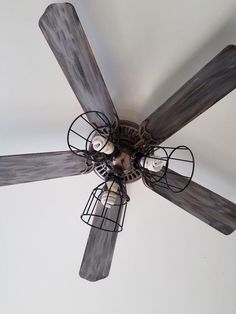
(123, 163)
(206, 205)
(25, 168)
(66, 38)
(208, 86)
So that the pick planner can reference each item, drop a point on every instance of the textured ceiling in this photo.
(165, 260)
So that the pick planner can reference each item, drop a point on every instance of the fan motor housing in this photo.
(124, 160)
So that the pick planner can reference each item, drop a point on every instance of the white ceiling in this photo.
(166, 261)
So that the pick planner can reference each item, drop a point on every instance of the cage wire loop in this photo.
(168, 167)
(83, 130)
(106, 206)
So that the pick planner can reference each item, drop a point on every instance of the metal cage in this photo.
(168, 167)
(82, 132)
(106, 206)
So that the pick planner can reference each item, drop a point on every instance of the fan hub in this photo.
(123, 163)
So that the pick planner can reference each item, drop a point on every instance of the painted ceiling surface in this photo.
(165, 260)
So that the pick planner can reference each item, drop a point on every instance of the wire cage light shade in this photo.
(106, 206)
(83, 134)
(168, 167)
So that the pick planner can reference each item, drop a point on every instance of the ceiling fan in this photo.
(121, 152)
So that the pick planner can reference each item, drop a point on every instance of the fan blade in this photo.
(209, 85)
(99, 250)
(206, 205)
(41, 166)
(66, 38)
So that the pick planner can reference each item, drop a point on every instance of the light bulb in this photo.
(100, 144)
(108, 197)
(153, 162)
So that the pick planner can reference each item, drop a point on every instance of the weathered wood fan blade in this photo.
(209, 85)
(99, 251)
(41, 166)
(66, 38)
(206, 205)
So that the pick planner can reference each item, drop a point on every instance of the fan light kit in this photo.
(121, 152)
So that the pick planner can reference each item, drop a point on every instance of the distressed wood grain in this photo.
(67, 40)
(208, 86)
(41, 166)
(99, 250)
(213, 209)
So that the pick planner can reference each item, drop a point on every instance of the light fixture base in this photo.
(124, 162)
